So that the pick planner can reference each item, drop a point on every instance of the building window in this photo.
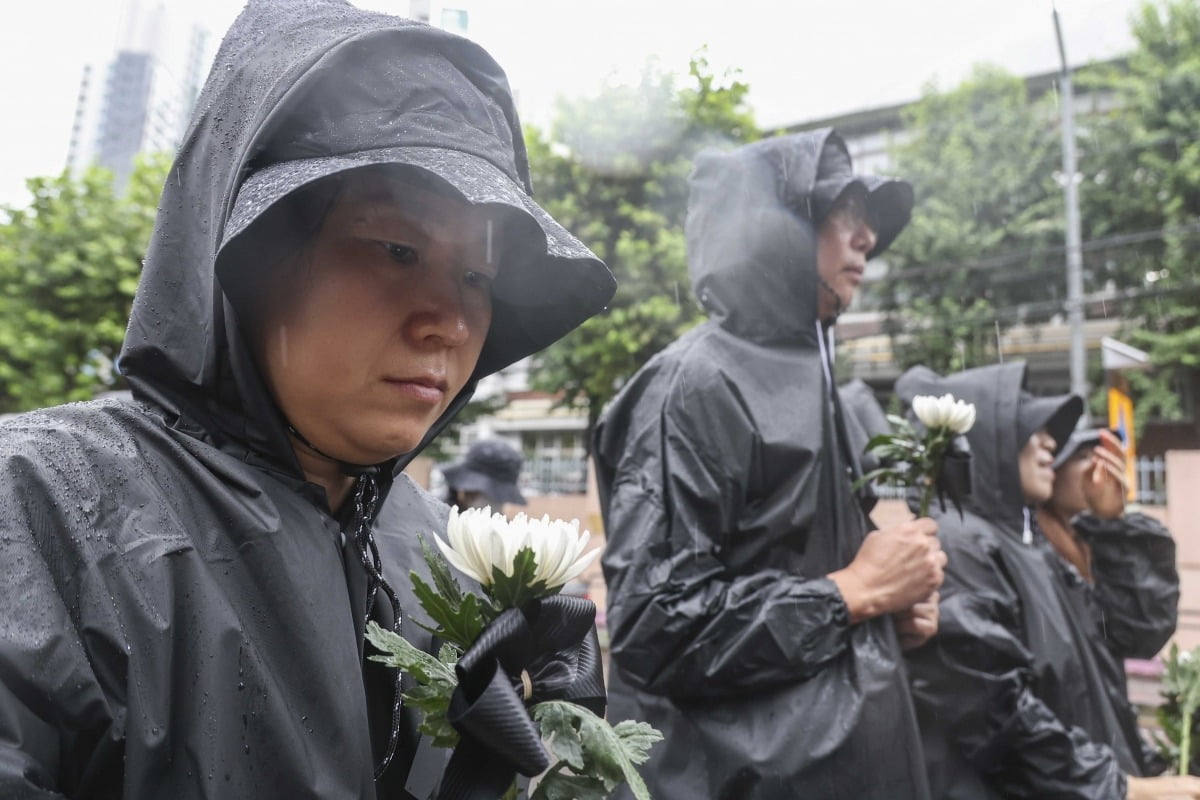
(455, 20)
(555, 462)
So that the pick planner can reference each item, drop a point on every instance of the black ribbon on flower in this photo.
(954, 478)
(545, 651)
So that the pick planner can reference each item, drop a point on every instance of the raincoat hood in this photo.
(752, 222)
(393, 93)
(1006, 415)
(1011, 691)
(181, 612)
(724, 470)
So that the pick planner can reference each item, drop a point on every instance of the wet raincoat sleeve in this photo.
(975, 682)
(31, 740)
(1136, 581)
(684, 621)
(54, 721)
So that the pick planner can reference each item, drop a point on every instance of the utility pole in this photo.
(1074, 249)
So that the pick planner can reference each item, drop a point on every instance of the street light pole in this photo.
(1074, 248)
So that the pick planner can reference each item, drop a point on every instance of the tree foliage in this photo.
(613, 169)
(69, 265)
(1142, 185)
(981, 247)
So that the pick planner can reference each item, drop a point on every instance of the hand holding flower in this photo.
(893, 570)
(917, 624)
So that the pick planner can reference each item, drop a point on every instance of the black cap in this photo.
(1057, 414)
(1088, 437)
(491, 467)
(889, 201)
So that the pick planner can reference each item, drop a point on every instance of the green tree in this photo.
(69, 265)
(613, 169)
(1142, 189)
(985, 242)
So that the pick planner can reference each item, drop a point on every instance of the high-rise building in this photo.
(450, 16)
(144, 99)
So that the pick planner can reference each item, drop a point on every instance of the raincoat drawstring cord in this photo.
(366, 497)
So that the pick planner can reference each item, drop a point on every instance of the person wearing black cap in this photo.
(487, 476)
(1011, 698)
(345, 245)
(753, 616)
(1124, 563)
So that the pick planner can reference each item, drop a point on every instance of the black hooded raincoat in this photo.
(724, 474)
(180, 613)
(1134, 603)
(1011, 693)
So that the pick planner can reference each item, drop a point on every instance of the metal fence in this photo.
(552, 475)
(545, 475)
(1151, 483)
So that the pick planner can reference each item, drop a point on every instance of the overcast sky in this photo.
(803, 59)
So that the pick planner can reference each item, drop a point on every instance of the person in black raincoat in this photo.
(750, 612)
(1127, 561)
(1010, 693)
(187, 575)
(486, 477)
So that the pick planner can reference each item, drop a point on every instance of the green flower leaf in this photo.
(514, 591)
(879, 440)
(458, 622)
(439, 570)
(590, 746)
(558, 785)
(433, 701)
(884, 475)
(435, 679)
(1177, 715)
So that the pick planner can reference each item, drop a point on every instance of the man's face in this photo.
(1068, 483)
(843, 241)
(379, 326)
(1036, 467)
(471, 499)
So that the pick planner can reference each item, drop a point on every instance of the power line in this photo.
(1018, 256)
(1045, 308)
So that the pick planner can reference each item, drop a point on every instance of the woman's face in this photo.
(844, 239)
(1036, 466)
(370, 334)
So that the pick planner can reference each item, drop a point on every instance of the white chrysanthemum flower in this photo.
(944, 412)
(481, 541)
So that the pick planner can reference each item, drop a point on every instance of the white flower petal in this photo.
(477, 542)
(925, 407)
(946, 403)
(565, 550)
(456, 533)
(968, 419)
(480, 542)
(933, 412)
(578, 567)
(578, 555)
(565, 569)
(457, 561)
